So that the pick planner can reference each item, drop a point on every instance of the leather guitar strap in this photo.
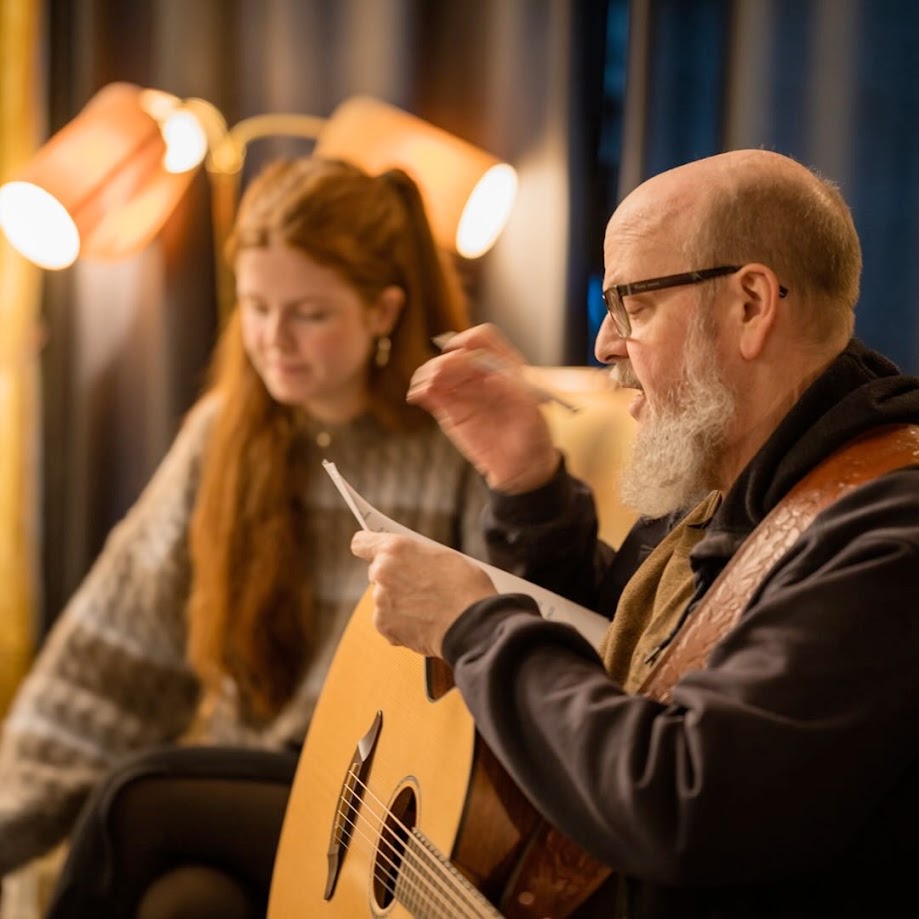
(881, 450)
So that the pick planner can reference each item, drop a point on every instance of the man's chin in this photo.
(653, 500)
(665, 473)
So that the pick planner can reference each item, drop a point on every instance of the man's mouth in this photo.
(623, 376)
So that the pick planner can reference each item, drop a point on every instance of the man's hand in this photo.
(419, 589)
(491, 415)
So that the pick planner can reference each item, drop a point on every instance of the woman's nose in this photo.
(276, 327)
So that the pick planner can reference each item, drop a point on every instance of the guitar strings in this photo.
(425, 888)
(390, 876)
(413, 877)
(386, 848)
(411, 857)
(386, 872)
(453, 889)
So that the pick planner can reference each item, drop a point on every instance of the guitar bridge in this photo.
(348, 801)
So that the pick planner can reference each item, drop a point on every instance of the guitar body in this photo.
(392, 750)
(424, 751)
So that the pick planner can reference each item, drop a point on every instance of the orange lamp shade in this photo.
(99, 187)
(468, 193)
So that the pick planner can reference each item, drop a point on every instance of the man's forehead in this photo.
(637, 246)
(649, 227)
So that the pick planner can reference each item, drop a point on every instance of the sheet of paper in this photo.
(552, 606)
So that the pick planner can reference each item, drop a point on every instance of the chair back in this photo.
(596, 439)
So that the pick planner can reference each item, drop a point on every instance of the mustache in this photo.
(623, 376)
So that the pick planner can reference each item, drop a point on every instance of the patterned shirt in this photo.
(112, 676)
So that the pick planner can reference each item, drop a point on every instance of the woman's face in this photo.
(308, 334)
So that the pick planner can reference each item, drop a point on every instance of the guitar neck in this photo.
(428, 886)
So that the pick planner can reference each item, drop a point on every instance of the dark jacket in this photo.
(782, 780)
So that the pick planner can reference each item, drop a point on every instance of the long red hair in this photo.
(250, 609)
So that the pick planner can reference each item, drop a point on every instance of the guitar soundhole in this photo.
(400, 820)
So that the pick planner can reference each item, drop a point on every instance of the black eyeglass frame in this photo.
(614, 295)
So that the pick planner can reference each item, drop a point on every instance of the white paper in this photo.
(552, 606)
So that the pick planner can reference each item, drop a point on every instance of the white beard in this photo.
(676, 449)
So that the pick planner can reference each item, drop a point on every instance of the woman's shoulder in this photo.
(182, 461)
(195, 426)
(198, 419)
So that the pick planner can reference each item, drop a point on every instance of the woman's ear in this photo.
(759, 307)
(385, 312)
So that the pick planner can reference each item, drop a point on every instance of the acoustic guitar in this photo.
(398, 808)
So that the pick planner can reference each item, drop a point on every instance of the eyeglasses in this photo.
(615, 293)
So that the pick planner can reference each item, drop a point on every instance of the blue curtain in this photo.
(829, 82)
(885, 184)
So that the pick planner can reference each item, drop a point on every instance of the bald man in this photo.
(779, 774)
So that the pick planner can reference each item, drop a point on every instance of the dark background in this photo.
(585, 98)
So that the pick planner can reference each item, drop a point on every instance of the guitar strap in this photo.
(881, 450)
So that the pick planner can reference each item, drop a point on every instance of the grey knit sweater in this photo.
(112, 676)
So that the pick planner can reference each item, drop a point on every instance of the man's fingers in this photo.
(364, 545)
(379, 548)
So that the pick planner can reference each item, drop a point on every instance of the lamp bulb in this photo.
(486, 212)
(186, 142)
(38, 225)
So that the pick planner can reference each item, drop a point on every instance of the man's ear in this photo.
(760, 293)
(385, 312)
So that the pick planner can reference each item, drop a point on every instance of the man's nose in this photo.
(609, 345)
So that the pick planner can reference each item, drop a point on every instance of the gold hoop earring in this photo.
(384, 346)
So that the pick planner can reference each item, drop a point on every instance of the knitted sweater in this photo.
(112, 675)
